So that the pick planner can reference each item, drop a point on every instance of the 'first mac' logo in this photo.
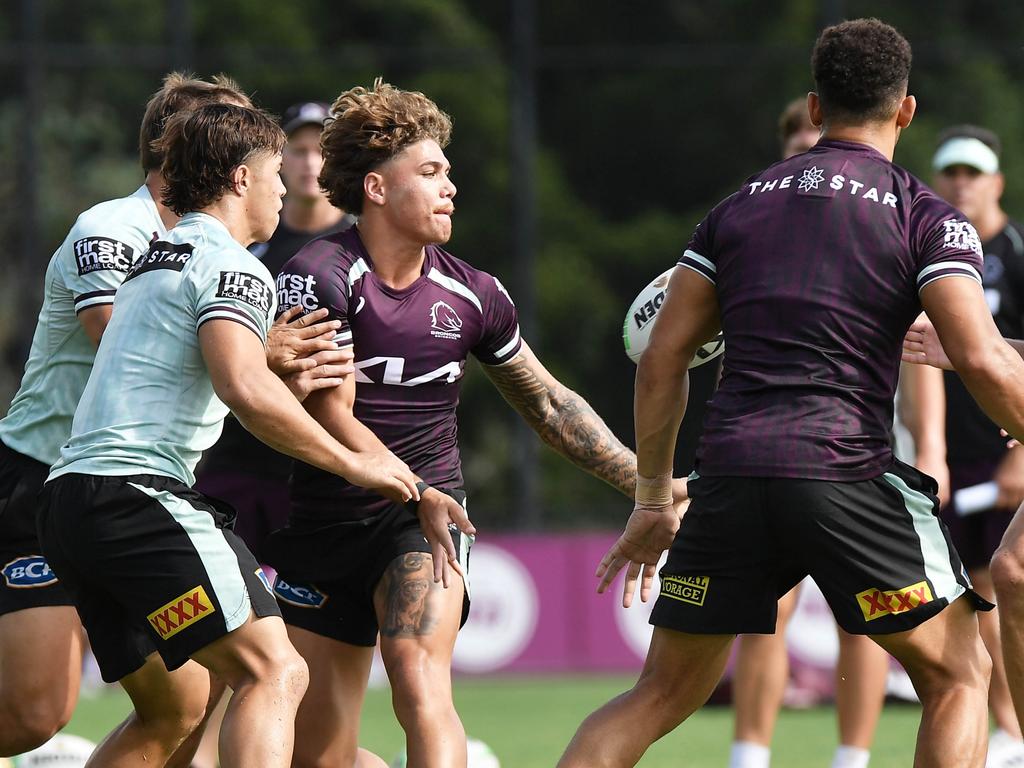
(95, 253)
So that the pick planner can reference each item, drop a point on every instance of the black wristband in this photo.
(421, 487)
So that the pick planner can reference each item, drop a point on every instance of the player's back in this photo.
(149, 406)
(84, 272)
(817, 264)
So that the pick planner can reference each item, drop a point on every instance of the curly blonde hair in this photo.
(366, 128)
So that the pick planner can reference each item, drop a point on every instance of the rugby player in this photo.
(156, 575)
(813, 269)
(761, 667)
(40, 633)
(352, 565)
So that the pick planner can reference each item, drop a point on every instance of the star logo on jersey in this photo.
(445, 322)
(811, 180)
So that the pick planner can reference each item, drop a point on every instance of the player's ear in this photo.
(814, 109)
(906, 111)
(241, 178)
(373, 188)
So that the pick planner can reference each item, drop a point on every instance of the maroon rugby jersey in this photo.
(411, 348)
(817, 263)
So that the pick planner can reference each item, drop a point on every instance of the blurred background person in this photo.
(985, 479)
(761, 670)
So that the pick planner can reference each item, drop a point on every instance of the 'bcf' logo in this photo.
(182, 612)
(445, 322)
(28, 573)
(303, 596)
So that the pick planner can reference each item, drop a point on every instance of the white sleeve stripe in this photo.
(688, 254)
(455, 287)
(946, 274)
(96, 301)
(238, 317)
(961, 265)
(345, 336)
(356, 271)
(700, 272)
(510, 346)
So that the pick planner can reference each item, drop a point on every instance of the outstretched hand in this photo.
(293, 339)
(921, 345)
(649, 532)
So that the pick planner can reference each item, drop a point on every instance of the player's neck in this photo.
(309, 214)
(230, 212)
(879, 137)
(155, 183)
(990, 223)
(397, 261)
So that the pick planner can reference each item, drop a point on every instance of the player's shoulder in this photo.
(131, 216)
(333, 254)
(458, 276)
(924, 202)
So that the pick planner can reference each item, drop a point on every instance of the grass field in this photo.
(527, 722)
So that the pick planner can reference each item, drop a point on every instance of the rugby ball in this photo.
(636, 328)
(62, 751)
(479, 756)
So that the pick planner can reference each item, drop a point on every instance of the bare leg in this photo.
(861, 676)
(267, 678)
(680, 672)
(40, 671)
(999, 701)
(168, 707)
(760, 676)
(1007, 571)
(418, 623)
(949, 667)
(199, 750)
(337, 685)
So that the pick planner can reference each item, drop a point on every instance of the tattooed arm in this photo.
(564, 420)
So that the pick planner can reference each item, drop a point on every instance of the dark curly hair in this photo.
(180, 93)
(860, 70)
(201, 148)
(369, 127)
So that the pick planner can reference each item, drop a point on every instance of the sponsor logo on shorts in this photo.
(264, 580)
(95, 253)
(245, 287)
(181, 613)
(686, 589)
(876, 603)
(28, 573)
(300, 595)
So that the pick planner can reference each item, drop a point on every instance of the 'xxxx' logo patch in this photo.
(168, 620)
(687, 589)
(874, 603)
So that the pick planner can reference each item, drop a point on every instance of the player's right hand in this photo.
(294, 338)
(330, 369)
(436, 510)
(921, 345)
(649, 532)
(385, 473)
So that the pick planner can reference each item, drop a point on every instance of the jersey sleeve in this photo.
(94, 260)
(316, 288)
(500, 340)
(700, 251)
(238, 290)
(943, 243)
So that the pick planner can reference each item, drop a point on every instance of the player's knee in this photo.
(284, 669)
(969, 667)
(1007, 570)
(26, 724)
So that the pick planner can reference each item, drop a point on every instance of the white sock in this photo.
(850, 757)
(747, 754)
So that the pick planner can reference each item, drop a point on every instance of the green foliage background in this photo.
(647, 114)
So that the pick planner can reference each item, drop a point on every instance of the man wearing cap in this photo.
(986, 479)
(239, 467)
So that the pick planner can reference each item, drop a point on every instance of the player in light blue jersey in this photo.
(40, 633)
(158, 577)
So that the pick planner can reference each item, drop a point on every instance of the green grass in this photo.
(528, 721)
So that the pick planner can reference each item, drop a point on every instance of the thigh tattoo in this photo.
(406, 589)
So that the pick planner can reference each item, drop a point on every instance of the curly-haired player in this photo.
(351, 564)
(814, 270)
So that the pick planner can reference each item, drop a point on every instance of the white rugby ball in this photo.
(636, 328)
(62, 751)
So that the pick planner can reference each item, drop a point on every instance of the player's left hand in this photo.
(436, 510)
(331, 368)
(680, 496)
(921, 345)
(1009, 478)
(294, 339)
(649, 532)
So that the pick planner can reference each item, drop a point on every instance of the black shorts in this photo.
(327, 576)
(876, 548)
(975, 534)
(150, 567)
(27, 579)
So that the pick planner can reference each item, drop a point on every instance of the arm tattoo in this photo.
(406, 587)
(567, 423)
